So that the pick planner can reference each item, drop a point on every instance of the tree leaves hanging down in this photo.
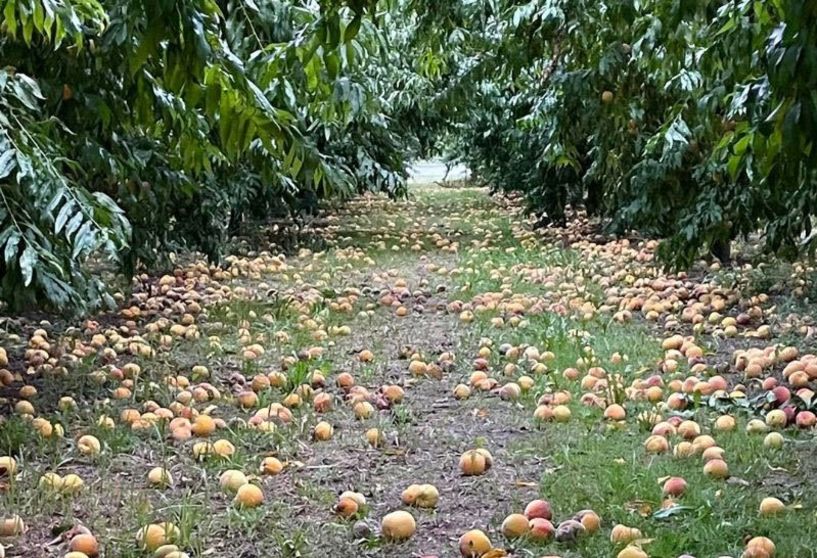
(49, 222)
(692, 121)
(131, 129)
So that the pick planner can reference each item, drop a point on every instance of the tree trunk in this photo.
(722, 249)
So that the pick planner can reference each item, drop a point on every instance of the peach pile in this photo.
(247, 384)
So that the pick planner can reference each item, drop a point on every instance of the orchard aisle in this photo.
(428, 378)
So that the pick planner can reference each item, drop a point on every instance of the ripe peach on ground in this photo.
(515, 525)
(89, 445)
(323, 431)
(541, 529)
(589, 520)
(762, 543)
(346, 507)
(249, 496)
(539, 508)
(656, 444)
(561, 413)
(632, 552)
(85, 543)
(806, 419)
(623, 534)
(159, 476)
(157, 534)
(773, 440)
(473, 463)
(271, 466)
(8, 466)
(615, 412)
(717, 468)
(725, 423)
(204, 425)
(231, 480)
(771, 506)
(674, 486)
(398, 526)
(474, 544)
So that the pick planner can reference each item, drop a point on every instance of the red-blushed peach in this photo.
(674, 486)
(539, 508)
(541, 529)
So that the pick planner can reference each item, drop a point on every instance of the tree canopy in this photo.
(135, 129)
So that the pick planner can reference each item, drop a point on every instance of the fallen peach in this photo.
(8, 466)
(539, 508)
(674, 486)
(159, 476)
(157, 534)
(473, 463)
(249, 496)
(589, 519)
(346, 507)
(11, 526)
(717, 468)
(474, 544)
(85, 543)
(541, 529)
(632, 552)
(623, 534)
(271, 466)
(89, 445)
(515, 525)
(762, 543)
(231, 480)
(771, 506)
(398, 526)
(323, 431)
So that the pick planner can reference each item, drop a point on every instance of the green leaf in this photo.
(352, 29)
(10, 17)
(7, 163)
(63, 215)
(10, 252)
(27, 262)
